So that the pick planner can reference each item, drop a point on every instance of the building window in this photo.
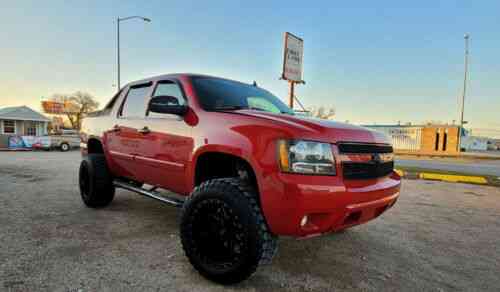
(29, 128)
(9, 127)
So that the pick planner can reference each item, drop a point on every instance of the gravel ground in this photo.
(438, 237)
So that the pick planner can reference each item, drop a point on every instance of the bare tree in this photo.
(323, 112)
(77, 106)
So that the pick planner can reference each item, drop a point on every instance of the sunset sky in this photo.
(374, 61)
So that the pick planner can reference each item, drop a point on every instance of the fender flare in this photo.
(224, 149)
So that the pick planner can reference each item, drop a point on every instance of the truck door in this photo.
(124, 140)
(166, 143)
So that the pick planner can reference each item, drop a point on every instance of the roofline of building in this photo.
(409, 126)
(24, 119)
(11, 109)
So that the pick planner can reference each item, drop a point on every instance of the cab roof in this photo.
(175, 76)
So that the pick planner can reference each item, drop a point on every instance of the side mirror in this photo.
(165, 104)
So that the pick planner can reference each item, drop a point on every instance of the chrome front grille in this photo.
(366, 161)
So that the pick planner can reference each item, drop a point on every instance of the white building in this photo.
(21, 121)
(474, 143)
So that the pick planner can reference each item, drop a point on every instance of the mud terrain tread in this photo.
(268, 241)
(102, 190)
(270, 246)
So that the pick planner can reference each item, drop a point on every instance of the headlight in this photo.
(306, 157)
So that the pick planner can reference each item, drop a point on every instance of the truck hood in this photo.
(322, 130)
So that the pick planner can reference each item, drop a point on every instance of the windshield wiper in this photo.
(258, 109)
(237, 107)
(240, 107)
(229, 108)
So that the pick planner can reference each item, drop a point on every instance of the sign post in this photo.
(293, 54)
(291, 93)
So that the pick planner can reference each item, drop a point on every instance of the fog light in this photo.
(303, 222)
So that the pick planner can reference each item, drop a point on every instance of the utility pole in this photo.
(466, 68)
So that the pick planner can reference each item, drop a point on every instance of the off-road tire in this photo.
(96, 183)
(249, 234)
(64, 147)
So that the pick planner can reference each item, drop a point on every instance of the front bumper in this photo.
(329, 203)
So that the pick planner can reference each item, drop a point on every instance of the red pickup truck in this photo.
(249, 168)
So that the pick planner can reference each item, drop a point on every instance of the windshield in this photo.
(221, 94)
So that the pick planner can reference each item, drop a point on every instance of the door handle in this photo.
(144, 130)
(116, 128)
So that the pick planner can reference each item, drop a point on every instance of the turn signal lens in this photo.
(283, 153)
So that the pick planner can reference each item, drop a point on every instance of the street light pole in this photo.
(118, 42)
(118, 50)
(466, 68)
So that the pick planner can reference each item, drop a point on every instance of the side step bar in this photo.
(151, 194)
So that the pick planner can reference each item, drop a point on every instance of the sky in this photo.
(373, 61)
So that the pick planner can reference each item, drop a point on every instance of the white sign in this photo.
(292, 60)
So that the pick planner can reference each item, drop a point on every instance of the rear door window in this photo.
(109, 107)
(135, 102)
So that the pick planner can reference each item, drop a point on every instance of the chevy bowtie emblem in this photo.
(376, 158)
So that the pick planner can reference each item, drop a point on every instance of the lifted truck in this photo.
(250, 170)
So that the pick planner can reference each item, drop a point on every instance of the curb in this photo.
(455, 178)
(14, 149)
(454, 156)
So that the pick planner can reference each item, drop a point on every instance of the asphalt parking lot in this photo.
(438, 237)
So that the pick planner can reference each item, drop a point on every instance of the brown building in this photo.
(422, 139)
(440, 139)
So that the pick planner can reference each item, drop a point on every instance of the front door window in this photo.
(30, 128)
